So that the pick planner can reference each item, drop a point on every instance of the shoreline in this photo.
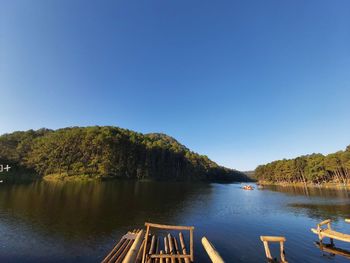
(329, 185)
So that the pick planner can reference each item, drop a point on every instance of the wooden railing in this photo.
(281, 240)
(172, 256)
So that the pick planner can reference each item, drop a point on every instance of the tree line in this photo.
(314, 168)
(109, 152)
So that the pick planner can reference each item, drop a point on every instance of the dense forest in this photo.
(313, 168)
(106, 152)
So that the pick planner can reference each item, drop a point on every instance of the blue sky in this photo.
(244, 82)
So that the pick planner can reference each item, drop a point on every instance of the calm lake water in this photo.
(80, 222)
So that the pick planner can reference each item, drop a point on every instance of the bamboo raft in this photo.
(329, 232)
(151, 247)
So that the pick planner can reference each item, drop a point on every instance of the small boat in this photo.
(248, 187)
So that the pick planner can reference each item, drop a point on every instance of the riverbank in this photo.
(71, 178)
(329, 185)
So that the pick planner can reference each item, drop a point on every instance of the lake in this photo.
(80, 222)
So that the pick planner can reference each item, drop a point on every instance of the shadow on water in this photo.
(310, 191)
(82, 209)
(335, 212)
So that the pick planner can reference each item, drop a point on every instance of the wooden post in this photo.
(282, 251)
(267, 250)
(191, 244)
(266, 240)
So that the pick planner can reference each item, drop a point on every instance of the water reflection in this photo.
(79, 222)
(83, 209)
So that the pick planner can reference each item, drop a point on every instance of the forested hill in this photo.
(109, 152)
(314, 168)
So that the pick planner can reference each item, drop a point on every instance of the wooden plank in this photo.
(324, 222)
(272, 238)
(211, 251)
(169, 227)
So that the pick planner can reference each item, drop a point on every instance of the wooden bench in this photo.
(281, 240)
(327, 231)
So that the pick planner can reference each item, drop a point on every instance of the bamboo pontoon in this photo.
(327, 231)
(136, 247)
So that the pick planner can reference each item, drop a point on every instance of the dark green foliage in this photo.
(110, 152)
(314, 168)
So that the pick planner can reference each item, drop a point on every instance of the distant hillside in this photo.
(313, 168)
(107, 152)
(250, 174)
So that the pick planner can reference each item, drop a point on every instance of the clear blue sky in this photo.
(244, 82)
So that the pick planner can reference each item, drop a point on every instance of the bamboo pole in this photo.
(132, 254)
(177, 250)
(116, 247)
(161, 259)
(169, 227)
(171, 248)
(212, 253)
(139, 254)
(124, 252)
(157, 249)
(145, 246)
(166, 248)
(191, 244)
(183, 247)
